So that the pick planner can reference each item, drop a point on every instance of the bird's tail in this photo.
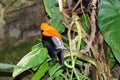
(61, 56)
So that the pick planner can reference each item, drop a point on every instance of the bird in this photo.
(52, 40)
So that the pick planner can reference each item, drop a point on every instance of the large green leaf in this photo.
(41, 71)
(51, 9)
(54, 14)
(109, 24)
(37, 46)
(32, 59)
(56, 22)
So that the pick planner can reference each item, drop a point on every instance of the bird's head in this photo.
(49, 31)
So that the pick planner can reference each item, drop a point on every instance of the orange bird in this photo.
(51, 39)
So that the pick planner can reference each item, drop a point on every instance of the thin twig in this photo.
(76, 5)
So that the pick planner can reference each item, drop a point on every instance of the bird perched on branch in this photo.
(51, 39)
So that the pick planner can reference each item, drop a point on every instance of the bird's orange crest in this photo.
(49, 30)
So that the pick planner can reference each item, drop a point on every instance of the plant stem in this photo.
(76, 18)
(76, 74)
(70, 41)
(69, 66)
(75, 70)
(79, 35)
(71, 75)
(64, 76)
(85, 58)
(70, 44)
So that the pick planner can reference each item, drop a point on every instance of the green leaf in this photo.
(8, 66)
(32, 59)
(59, 78)
(109, 24)
(54, 14)
(56, 22)
(85, 22)
(111, 61)
(82, 76)
(78, 62)
(114, 79)
(57, 73)
(51, 9)
(37, 46)
(54, 68)
(41, 71)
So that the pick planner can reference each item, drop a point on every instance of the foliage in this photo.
(54, 14)
(41, 71)
(75, 67)
(108, 20)
(34, 58)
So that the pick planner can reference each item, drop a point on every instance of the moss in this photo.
(12, 54)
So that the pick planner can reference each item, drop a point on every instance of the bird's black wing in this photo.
(54, 47)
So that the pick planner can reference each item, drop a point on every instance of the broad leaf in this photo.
(32, 59)
(109, 24)
(51, 9)
(56, 22)
(41, 71)
(54, 13)
(37, 46)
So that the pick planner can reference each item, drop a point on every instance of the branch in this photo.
(93, 13)
(77, 4)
